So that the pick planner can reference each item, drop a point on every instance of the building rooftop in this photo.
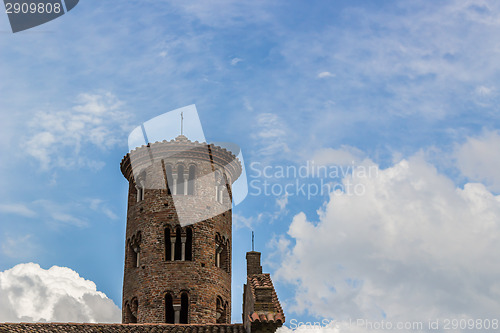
(119, 328)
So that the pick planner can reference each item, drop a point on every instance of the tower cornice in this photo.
(181, 148)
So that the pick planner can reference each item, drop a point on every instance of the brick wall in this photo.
(253, 263)
(148, 219)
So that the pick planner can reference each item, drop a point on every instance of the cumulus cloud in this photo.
(29, 293)
(479, 159)
(412, 247)
(57, 137)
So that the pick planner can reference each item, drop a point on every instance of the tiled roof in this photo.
(119, 328)
(267, 317)
(264, 281)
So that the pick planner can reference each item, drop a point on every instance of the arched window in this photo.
(140, 192)
(168, 245)
(218, 249)
(135, 255)
(184, 308)
(189, 244)
(218, 186)
(178, 245)
(133, 311)
(180, 179)
(220, 311)
(169, 309)
(140, 186)
(221, 252)
(134, 250)
(129, 317)
(192, 173)
(170, 179)
(224, 256)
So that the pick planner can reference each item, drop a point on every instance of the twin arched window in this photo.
(181, 180)
(179, 244)
(177, 311)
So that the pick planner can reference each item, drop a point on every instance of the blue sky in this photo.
(408, 87)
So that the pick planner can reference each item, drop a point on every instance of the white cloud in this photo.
(234, 61)
(65, 218)
(224, 13)
(20, 247)
(271, 134)
(484, 91)
(343, 156)
(282, 202)
(60, 138)
(328, 326)
(240, 221)
(247, 104)
(426, 60)
(479, 159)
(99, 205)
(17, 209)
(323, 75)
(58, 214)
(413, 247)
(486, 96)
(29, 293)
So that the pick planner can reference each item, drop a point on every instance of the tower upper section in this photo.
(174, 151)
(179, 231)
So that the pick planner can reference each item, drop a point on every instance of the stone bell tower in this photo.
(178, 236)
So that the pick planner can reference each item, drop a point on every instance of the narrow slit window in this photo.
(192, 173)
(168, 245)
(180, 179)
(189, 244)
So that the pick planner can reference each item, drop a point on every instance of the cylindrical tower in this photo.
(178, 237)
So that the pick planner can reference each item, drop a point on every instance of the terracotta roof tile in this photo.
(264, 281)
(119, 328)
(267, 317)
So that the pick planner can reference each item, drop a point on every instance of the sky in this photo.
(370, 135)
